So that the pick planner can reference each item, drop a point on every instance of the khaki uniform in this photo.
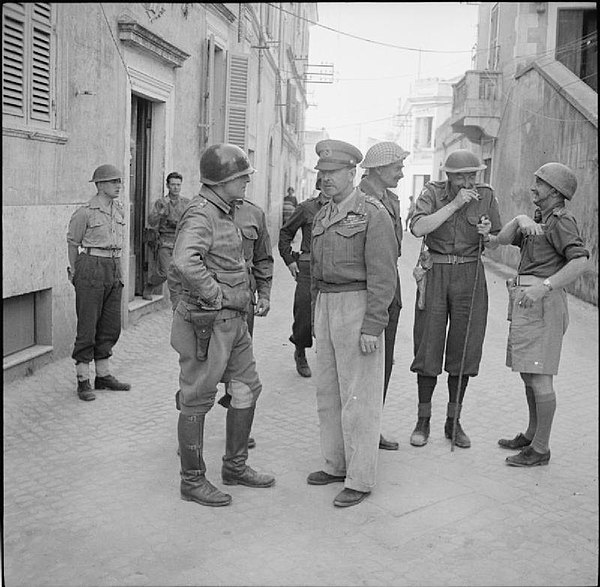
(98, 229)
(536, 332)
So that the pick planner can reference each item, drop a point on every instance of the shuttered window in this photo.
(237, 102)
(27, 61)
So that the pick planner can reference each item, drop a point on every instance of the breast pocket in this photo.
(350, 244)
(249, 238)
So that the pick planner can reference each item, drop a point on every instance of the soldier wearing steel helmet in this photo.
(94, 243)
(553, 255)
(208, 280)
(383, 164)
(448, 215)
(353, 273)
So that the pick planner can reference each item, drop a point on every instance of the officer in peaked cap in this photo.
(336, 155)
(353, 273)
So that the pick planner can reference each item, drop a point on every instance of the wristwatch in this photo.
(547, 283)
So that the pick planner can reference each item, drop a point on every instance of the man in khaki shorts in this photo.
(553, 255)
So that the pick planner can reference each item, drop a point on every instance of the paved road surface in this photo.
(91, 490)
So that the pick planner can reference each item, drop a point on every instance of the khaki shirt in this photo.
(166, 224)
(543, 255)
(458, 235)
(97, 225)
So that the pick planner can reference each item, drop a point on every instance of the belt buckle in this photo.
(453, 259)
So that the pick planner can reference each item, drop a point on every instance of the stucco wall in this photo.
(541, 126)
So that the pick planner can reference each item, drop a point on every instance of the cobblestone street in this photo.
(91, 490)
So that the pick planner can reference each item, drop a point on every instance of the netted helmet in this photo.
(106, 173)
(560, 177)
(462, 161)
(223, 162)
(384, 153)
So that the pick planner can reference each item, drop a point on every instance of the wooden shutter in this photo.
(237, 100)
(26, 60)
(13, 59)
(40, 62)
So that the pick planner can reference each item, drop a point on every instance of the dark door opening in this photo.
(141, 129)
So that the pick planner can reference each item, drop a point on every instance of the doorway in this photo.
(139, 181)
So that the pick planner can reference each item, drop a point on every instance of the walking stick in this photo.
(464, 352)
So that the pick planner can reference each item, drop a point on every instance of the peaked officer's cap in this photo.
(336, 155)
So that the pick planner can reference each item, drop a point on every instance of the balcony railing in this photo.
(476, 104)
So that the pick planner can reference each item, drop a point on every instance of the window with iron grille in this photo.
(27, 70)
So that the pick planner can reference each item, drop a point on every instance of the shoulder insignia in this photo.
(374, 201)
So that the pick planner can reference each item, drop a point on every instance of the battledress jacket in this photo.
(356, 251)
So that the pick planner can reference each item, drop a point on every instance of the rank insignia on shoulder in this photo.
(374, 201)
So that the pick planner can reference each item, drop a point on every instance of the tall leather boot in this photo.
(234, 470)
(194, 485)
(420, 434)
(461, 439)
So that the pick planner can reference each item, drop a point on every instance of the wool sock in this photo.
(530, 432)
(426, 385)
(545, 408)
(453, 388)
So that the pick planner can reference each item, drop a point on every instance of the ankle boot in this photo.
(234, 470)
(420, 434)
(194, 485)
(460, 439)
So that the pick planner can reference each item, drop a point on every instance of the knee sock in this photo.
(426, 385)
(102, 369)
(453, 388)
(83, 371)
(530, 432)
(545, 408)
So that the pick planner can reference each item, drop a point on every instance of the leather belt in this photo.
(528, 280)
(222, 313)
(451, 259)
(94, 252)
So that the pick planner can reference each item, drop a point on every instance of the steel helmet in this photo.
(384, 153)
(223, 162)
(106, 173)
(560, 177)
(462, 161)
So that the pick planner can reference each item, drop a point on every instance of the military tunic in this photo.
(256, 242)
